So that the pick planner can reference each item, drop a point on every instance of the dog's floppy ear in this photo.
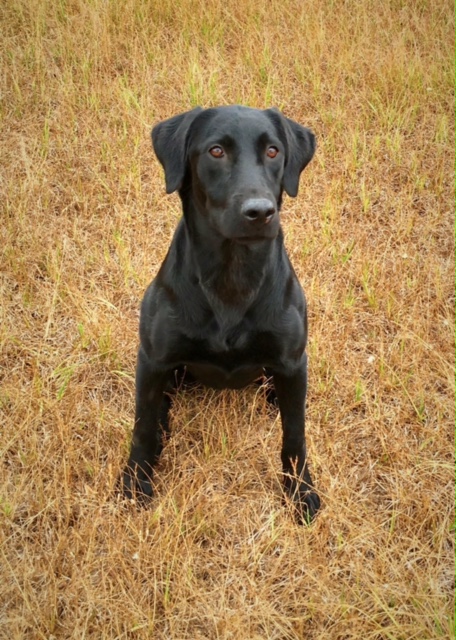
(300, 147)
(169, 141)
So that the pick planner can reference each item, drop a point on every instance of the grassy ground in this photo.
(85, 223)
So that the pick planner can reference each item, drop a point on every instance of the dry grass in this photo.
(84, 225)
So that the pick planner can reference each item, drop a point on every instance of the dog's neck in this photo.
(234, 271)
(230, 271)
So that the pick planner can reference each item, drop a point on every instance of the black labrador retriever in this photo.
(226, 306)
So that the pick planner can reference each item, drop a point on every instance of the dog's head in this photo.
(233, 164)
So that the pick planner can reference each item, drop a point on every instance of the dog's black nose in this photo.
(258, 210)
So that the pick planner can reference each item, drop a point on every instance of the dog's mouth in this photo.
(260, 234)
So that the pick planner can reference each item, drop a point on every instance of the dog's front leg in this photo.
(151, 421)
(291, 397)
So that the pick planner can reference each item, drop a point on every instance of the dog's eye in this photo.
(216, 152)
(272, 152)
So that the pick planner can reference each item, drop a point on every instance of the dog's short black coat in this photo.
(226, 306)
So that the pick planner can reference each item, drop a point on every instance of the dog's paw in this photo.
(136, 484)
(305, 502)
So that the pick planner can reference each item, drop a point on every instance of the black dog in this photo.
(226, 305)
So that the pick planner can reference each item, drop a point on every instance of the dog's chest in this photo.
(226, 356)
(228, 333)
(228, 326)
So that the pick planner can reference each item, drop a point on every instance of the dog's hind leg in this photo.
(180, 378)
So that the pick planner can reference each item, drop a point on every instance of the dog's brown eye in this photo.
(272, 152)
(216, 152)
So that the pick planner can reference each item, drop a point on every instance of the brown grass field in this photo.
(85, 223)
